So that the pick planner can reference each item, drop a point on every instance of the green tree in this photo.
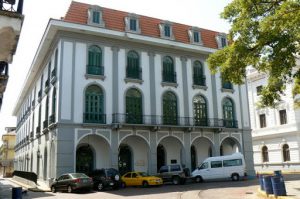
(264, 34)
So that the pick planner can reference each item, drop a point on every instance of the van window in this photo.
(234, 162)
(216, 164)
(204, 165)
(175, 167)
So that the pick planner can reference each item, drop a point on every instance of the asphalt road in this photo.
(207, 190)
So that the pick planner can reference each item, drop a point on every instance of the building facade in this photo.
(276, 131)
(114, 89)
(7, 152)
(10, 28)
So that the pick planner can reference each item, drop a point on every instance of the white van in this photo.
(221, 167)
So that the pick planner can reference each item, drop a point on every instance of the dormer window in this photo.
(195, 36)
(95, 16)
(132, 23)
(166, 30)
(221, 40)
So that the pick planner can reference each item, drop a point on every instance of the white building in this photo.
(276, 131)
(115, 89)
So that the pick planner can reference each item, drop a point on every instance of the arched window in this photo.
(94, 66)
(265, 154)
(286, 153)
(94, 105)
(133, 65)
(134, 107)
(200, 111)
(199, 78)
(169, 74)
(228, 114)
(169, 108)
(52, 116)
(45, 125)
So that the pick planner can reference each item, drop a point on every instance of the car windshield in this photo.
(78, 175)
(112, 172)
(143, 174)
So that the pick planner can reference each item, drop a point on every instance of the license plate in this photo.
(111, 184)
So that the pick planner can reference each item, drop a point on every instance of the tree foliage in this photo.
(264, 34)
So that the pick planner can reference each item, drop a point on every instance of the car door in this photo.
(127, 179)
(59, 183)
(204, 171)
(135, 179)
(65, 182)
(216, 168)
(163, 172)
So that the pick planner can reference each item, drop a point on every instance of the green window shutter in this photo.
(94, 105)
(200, 111)
(134, 109)
(170, 115)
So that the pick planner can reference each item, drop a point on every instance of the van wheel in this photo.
(100, 186)
(176, 180)
(70, 190)
(198, 179)
(235, 177)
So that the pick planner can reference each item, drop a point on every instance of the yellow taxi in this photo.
(140, 179)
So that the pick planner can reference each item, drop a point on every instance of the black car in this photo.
(104, 178)
(71, 182)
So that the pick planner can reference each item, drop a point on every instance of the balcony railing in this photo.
(169, 77)
(134, 74)
(94, 118)
(200, 80)
(154, 120)
(230, 123)
(94, 70)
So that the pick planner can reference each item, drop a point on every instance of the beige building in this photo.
(7, 152)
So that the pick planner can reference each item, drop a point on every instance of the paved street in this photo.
(208, 190)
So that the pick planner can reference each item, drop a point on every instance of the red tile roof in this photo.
(114, 20)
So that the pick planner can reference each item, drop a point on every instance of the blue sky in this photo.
(200, 13)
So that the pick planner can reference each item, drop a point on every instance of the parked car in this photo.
(221, 167)
(140, 179)
(173, 173)
(104, 178)
(71, 182)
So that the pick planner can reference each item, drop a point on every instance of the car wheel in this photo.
(176, 180)
(100, 186)
(70, 190)
(235, 177)
(145, 184)
(53, 189)
(198, 179)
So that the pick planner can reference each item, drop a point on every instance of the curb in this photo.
(272, 196)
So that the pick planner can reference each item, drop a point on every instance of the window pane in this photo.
(262, 120)
(216, 164)
(196, 37)
(282, 114)
(167, 29)
(230, 163)
(133, 24)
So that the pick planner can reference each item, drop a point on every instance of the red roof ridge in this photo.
(114, 20)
